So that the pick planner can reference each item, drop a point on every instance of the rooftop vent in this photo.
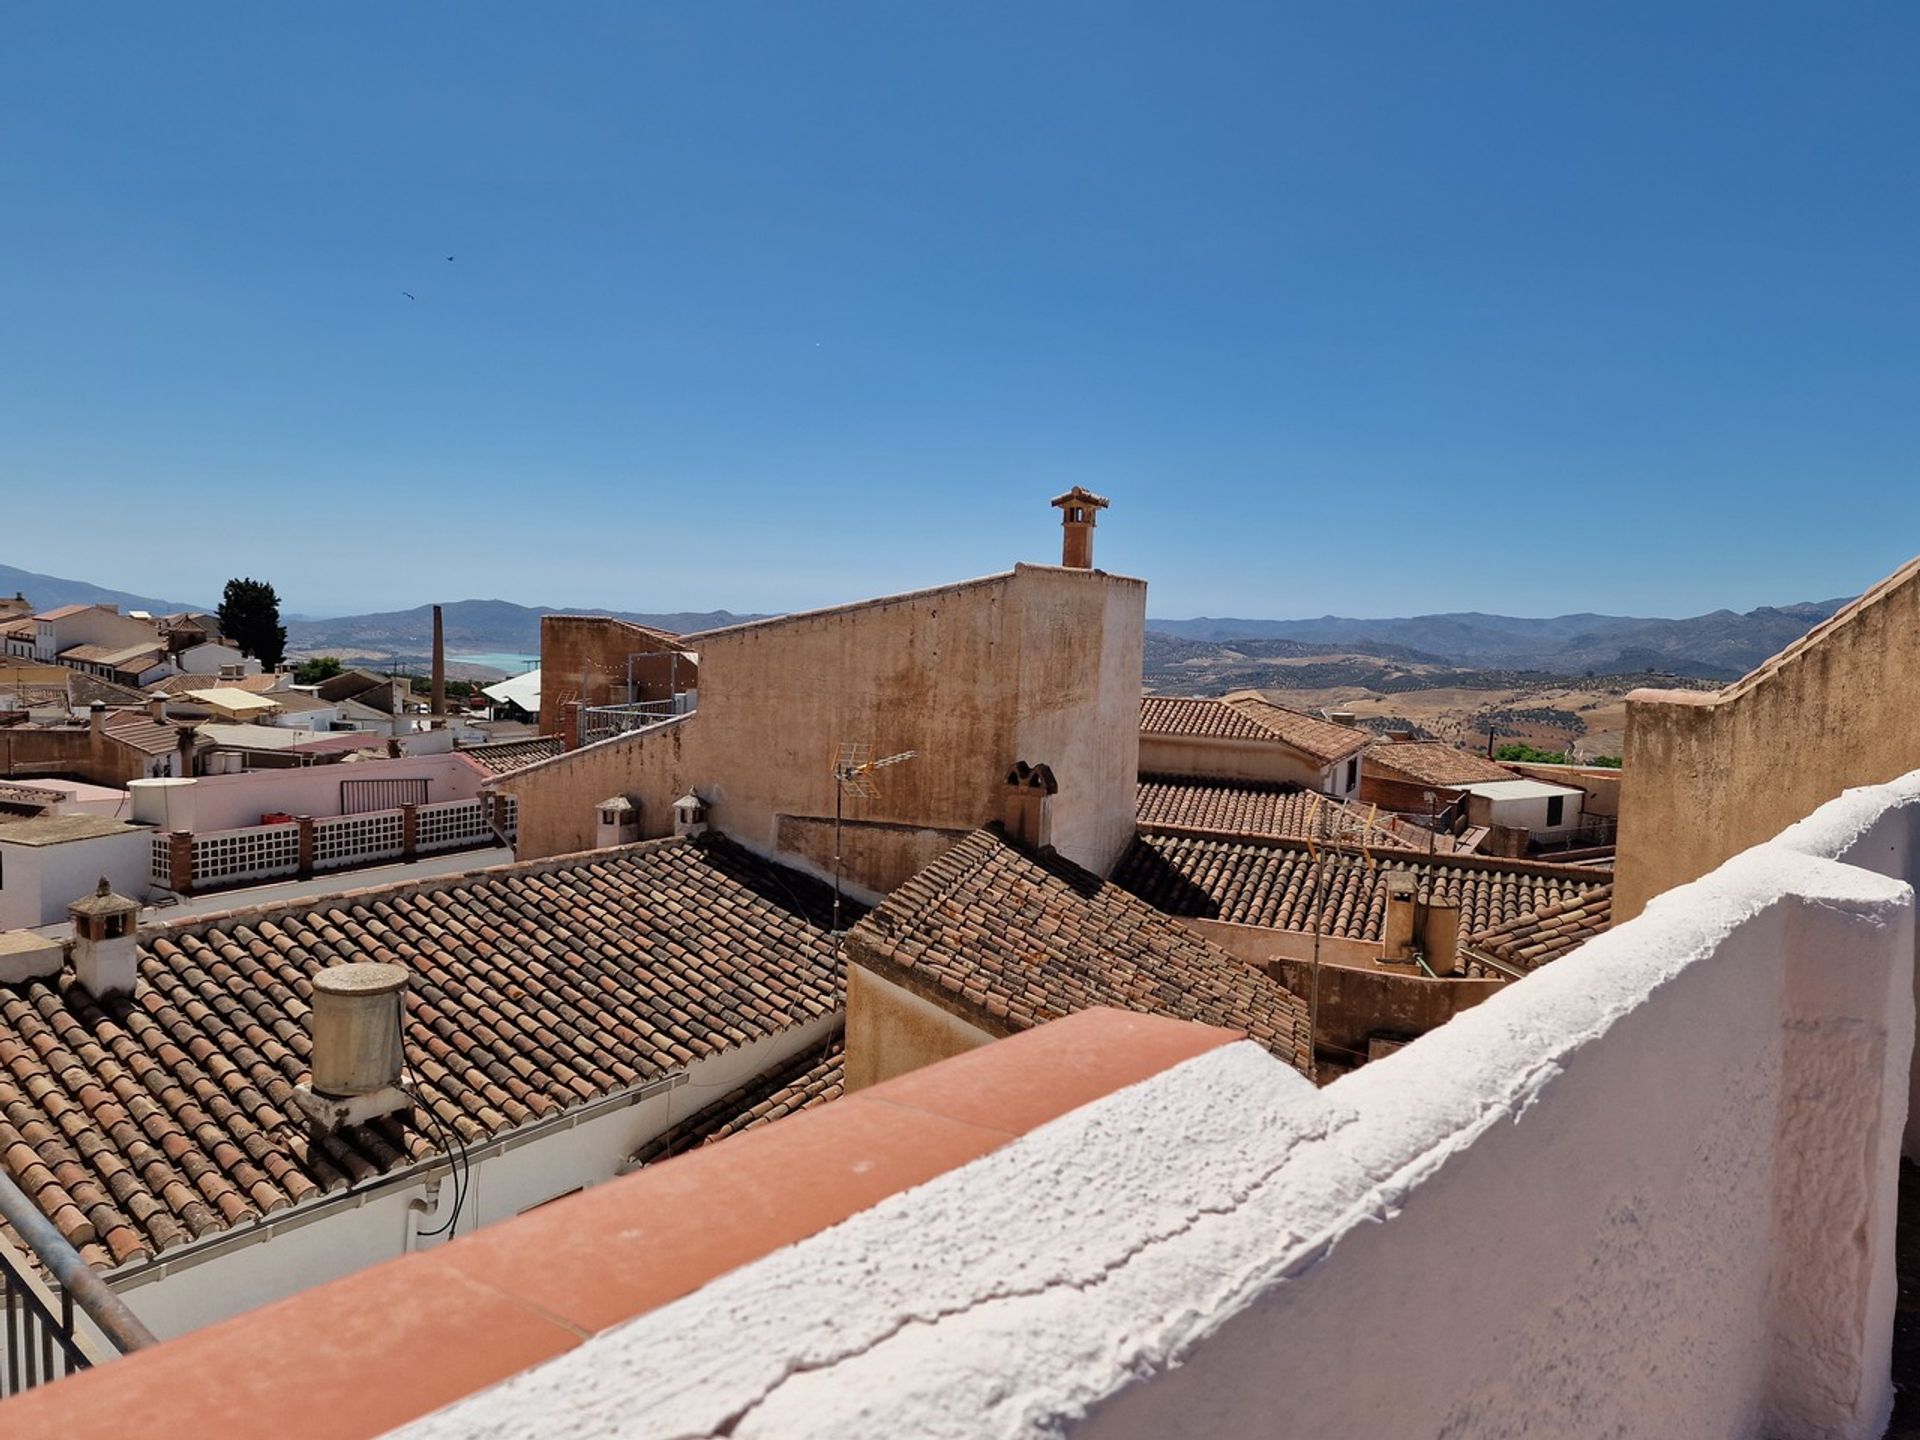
(690, 815)
(106, 953)
(619, 822)
(1028, 819)
(1402, 907)
(357, 1052)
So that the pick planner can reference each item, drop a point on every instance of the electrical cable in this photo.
(460, 1164)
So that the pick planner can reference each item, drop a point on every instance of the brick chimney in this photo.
(1027, 814)
(1077, 509)
(439, 721)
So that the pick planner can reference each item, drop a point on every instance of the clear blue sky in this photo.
(1365, 309)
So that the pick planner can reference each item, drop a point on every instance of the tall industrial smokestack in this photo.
(439, 672)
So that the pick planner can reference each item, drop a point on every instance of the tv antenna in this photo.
(853, 771)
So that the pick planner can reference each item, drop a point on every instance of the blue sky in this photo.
(1364, 309)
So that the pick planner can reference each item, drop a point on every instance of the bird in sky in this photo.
(407, 293)
(449, 257)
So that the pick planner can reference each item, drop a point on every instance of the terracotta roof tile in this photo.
(1249, 717)
(813, 1077)
(1009, 939)
(1532, 939)
(1433, 762)
(150, 1121)
(1253, 807)
(1270, 883)
(503, 757)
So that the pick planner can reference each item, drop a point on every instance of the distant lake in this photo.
(500, 660)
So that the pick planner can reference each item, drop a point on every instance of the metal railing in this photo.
(44, 1340)
(599, 722)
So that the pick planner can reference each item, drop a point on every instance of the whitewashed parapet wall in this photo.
(1648, 1192)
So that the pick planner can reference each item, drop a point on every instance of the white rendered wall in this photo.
(38, 882)
(1647, 1192)
(232, 802)
(288, 1256)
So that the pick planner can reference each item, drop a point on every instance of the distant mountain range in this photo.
(1722, 645)
(472, 627)
(50, 592)
(1719, 646)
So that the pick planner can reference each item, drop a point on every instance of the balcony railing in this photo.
(602, 722)
(45, 1338)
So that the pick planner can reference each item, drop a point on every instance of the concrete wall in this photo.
(1405, 795)
(1707, 775)
(37, 882)
(1528, 814)
(1649, 1191)
(100, 760)
(1600, 783)
(891, 1030)
(197, 1285)
(1041, 665)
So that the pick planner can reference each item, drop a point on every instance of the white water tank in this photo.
(167, 803)
(356, 1028)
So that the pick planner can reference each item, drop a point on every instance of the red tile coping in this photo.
(363, 1354)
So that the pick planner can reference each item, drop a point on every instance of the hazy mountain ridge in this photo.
(474, 626)
(50, 592)
(1720, 645)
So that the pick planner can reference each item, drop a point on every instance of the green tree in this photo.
(320, 667)
(250, 619)
(1527, 754)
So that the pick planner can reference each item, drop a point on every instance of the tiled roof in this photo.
(1270, 883)
(62, 612)
(181, 684)
(1008, 939)
(503, 757)
(1205, 719)
(147, 1122)
(813, 1077)
(1529, 941)
(111, 655)
(83, 690)
(1248, 717)
(1433, 762)
(144, 733)
(1252, 807)
(1308, 733)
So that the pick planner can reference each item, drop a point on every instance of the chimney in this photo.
(690, 815)
(1440, 933)
(183, 740)
(1077, 509)
(357, 1047)
(106, 956)
(1028, 812)
(96, 719)
(439, 672)
(157, 707)
(619, 822)
(1396, 936)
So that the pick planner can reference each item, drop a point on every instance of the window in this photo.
(1556, 808)
(1353, 773)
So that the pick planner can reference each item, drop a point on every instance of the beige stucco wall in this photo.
(1231, 760)
(891, 1030)
(1041, 665)
(1709, 775)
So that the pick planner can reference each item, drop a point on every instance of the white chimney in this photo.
(619, 822)
(689, 815)
(106, 953)
(357, 1049)
(1028, 818)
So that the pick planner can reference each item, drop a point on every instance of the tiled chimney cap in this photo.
(1080, 495)
(103, 902)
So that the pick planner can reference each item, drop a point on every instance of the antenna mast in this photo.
(853, 769)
